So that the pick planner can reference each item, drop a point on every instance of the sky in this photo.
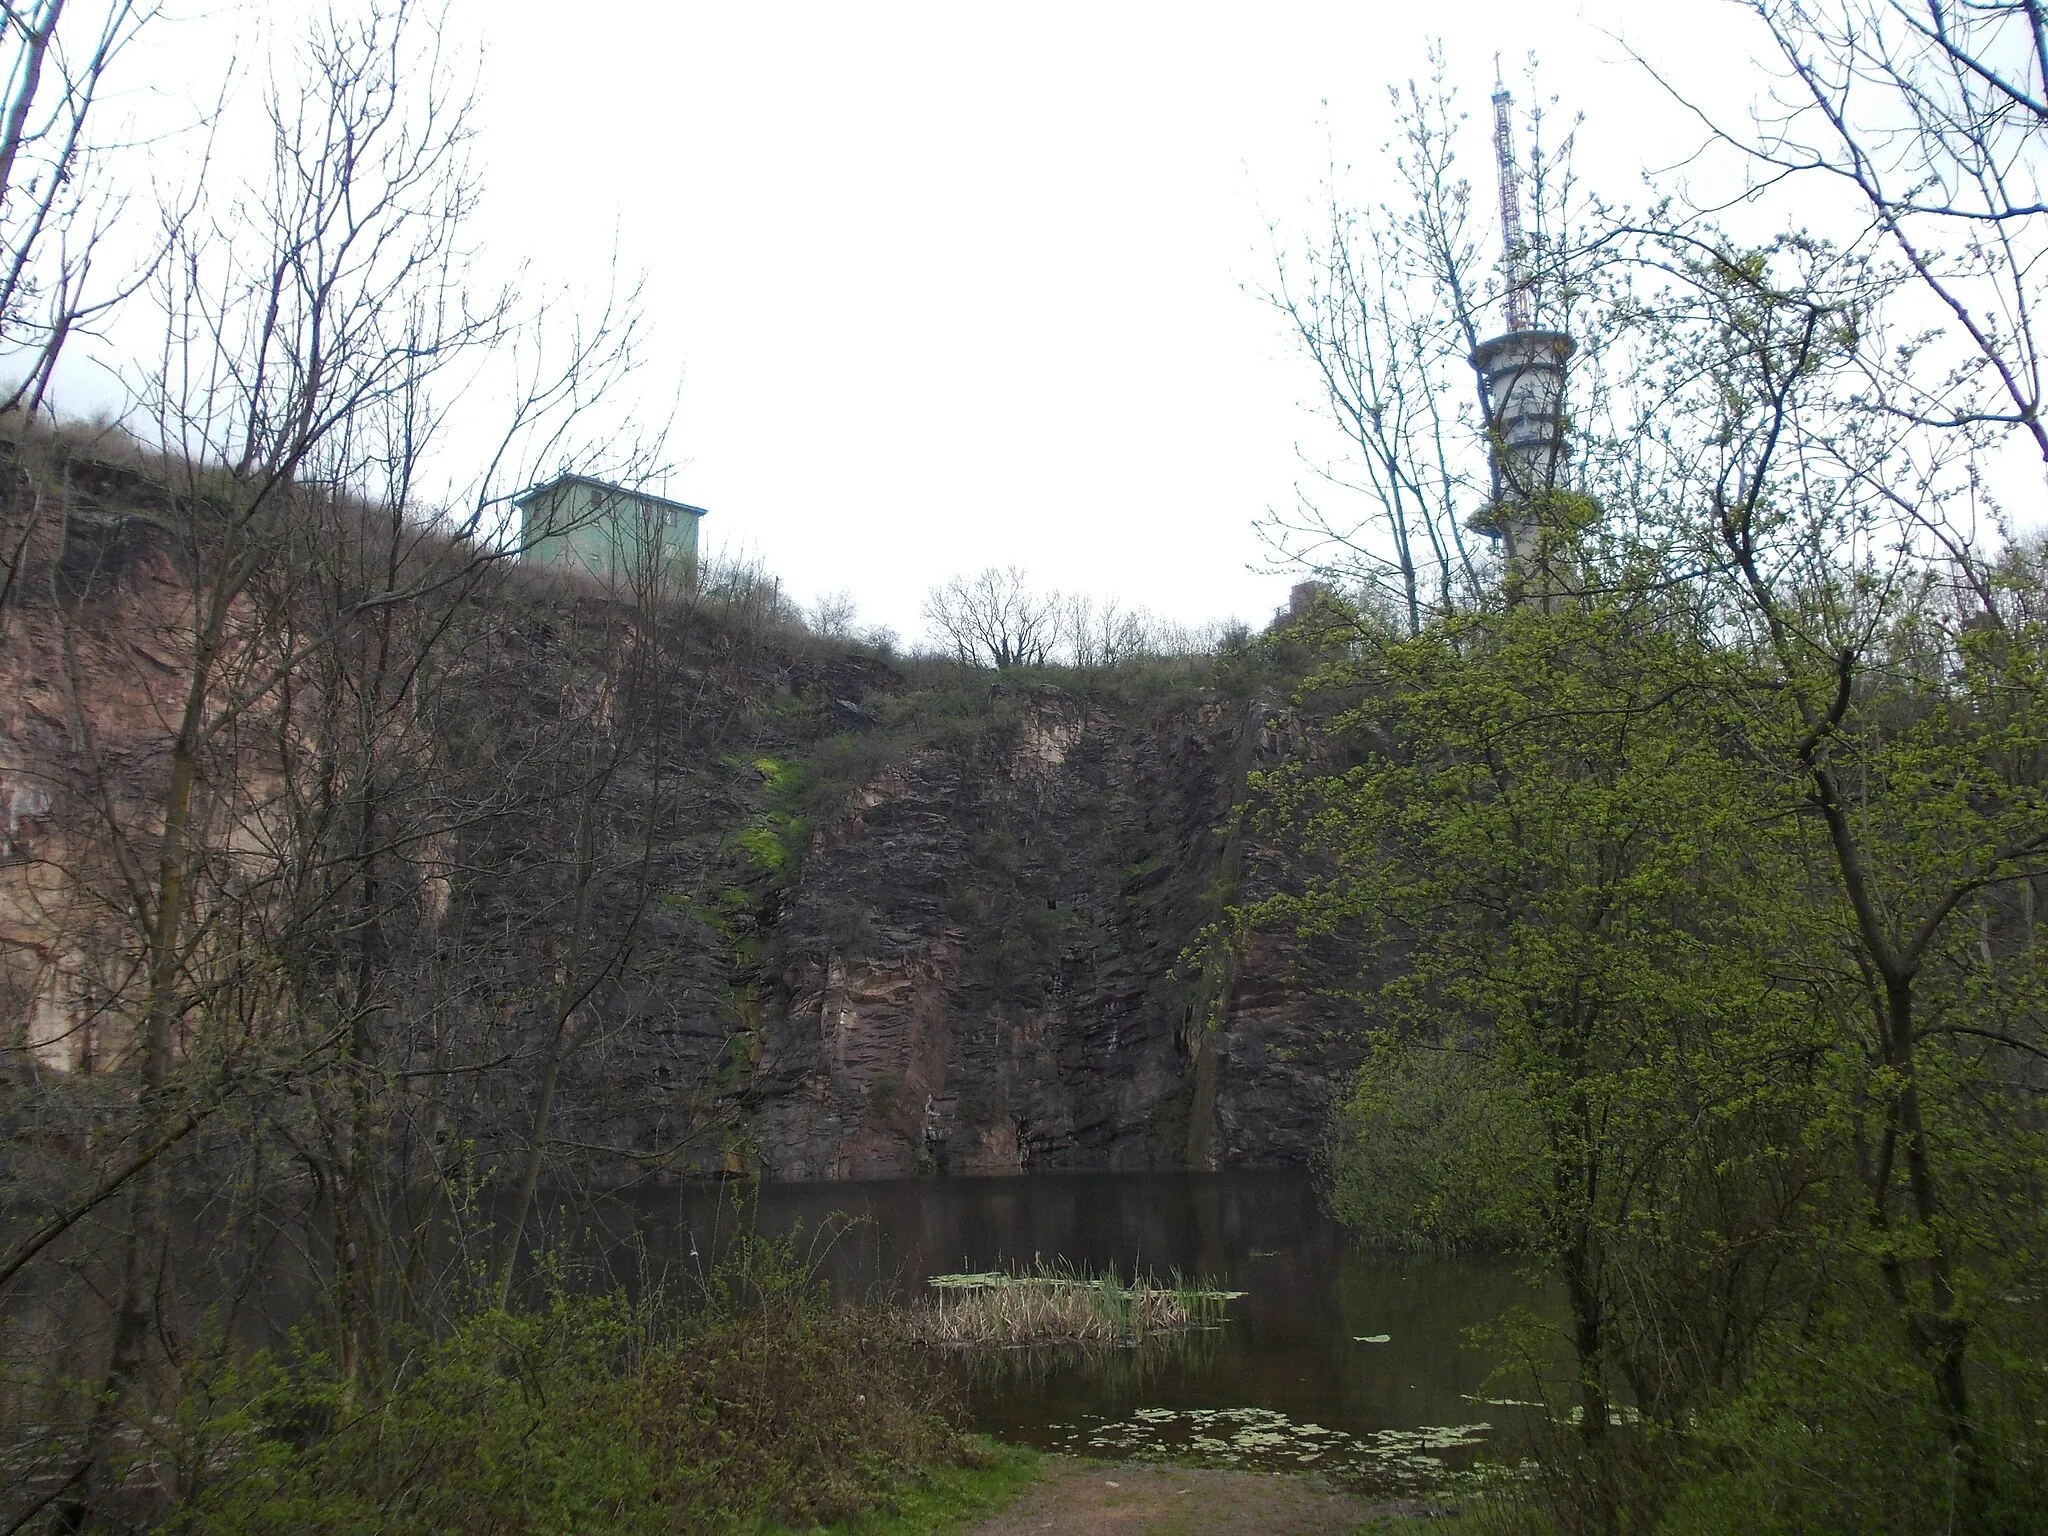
(935, 287)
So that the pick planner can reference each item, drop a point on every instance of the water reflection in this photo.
(1293, 1347)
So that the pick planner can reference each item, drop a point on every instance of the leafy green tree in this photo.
(1699, 916)
(1896, 685)
(1556, 864)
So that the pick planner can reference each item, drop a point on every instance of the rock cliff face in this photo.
(893, 918)
(985, 967)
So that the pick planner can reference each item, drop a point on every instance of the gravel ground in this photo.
(1075, 1498)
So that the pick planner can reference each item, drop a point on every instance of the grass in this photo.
(944, 1500)
(1057, 1303)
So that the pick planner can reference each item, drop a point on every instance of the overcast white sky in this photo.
(950, 285)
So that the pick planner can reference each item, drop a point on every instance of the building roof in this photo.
(534, 493)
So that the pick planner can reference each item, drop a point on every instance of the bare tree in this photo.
(316, 334)
(1387, 306)
(832, 615)
(1105, 634)
(60, 200)
(1845, 403)
(995, 619)
(1383, 306)
(1931, 116)
(1921, 124)
(627, 723)
(58, 196)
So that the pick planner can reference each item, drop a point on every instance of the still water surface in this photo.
(1290, 1380)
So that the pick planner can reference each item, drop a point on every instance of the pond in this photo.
(1334, 1359)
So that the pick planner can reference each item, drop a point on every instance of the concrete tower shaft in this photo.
(1524, 375)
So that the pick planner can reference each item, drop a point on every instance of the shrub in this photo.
(1837, 1429)
(1431, 1151)
(592, 1414)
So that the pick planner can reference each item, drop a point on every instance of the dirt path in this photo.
(1125, 1499)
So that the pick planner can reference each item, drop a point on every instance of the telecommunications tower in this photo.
(1522, 372)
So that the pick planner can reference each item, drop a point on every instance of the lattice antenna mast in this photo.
(1510, 205)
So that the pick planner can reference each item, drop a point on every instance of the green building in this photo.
(607, 532)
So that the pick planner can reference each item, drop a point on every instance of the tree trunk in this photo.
(144, 1239)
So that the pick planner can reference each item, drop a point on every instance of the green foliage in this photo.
(778, 778)
(773, 844)
(1580, 1024)
(1434, 1150)
(945, 1499)
(1624, 978)
(516, 1422)
(1838, 1429)
(591, 1414)
(770, 844)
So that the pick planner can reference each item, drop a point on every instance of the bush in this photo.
(1837, 1429)
(591, 1414)
(1431, 1151)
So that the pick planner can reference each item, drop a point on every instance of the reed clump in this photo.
(1054, 1302)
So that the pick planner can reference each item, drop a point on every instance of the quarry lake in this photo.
(1336, 1359)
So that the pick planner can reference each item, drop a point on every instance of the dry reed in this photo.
(1058, 1304)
